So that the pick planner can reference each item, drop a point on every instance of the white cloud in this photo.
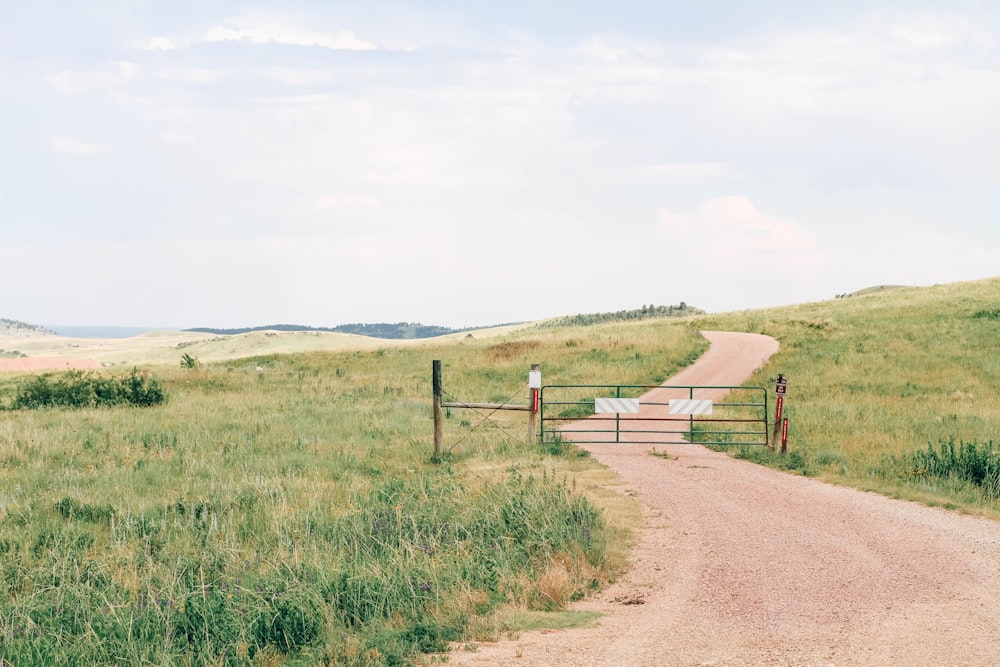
(201, 76)
(619, 48)
(921, 257)
(298, 76)
(867, 62)
(69, 82)
(179, 138)
(486, 131)
(74, 146)
(689, 170)
(342, 40)
(340, 201)
(926, 32)
(158, 44)
(731, 233)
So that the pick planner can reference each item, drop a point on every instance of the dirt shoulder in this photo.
(33, 364)
(739, 564)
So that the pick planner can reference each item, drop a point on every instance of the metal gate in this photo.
(654, 414)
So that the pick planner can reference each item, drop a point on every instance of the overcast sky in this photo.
(222, 163)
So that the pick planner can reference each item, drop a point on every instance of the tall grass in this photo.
(875, 379)
(291, 514)
(969, 463)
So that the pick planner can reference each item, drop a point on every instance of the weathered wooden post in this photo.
(438, 417)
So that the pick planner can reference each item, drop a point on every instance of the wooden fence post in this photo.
(438, 417)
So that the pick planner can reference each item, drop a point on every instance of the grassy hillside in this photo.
(17, 328)
(282, 509)
(880, 376)
(167, 347)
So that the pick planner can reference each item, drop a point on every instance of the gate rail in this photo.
(567, 413)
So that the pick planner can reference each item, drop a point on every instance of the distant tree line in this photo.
(646, 312)
(17, 326)
(412, 330)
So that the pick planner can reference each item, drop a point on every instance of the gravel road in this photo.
(739, 564)
(32, 364)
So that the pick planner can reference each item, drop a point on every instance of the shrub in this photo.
(76, 389)
(987, 314)
(970, 462)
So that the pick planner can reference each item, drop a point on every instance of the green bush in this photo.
(969, 462)
(77, 389)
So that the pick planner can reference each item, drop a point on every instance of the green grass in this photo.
(554, 620)
(875, 378)
(293, 515)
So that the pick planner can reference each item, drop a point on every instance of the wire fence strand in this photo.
(485, 417)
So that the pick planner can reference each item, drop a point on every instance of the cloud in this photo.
(179, 138)
(339, 201)
(342, 40)
(689, 170)
(69, 82)
(618, 48)
(924, 257)
(731, 233)
(74, 146)
(158, 44)
(290, 76)
(199, 76)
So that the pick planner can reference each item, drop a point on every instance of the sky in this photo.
(226, 164)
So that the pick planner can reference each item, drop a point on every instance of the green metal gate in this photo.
(653, 414)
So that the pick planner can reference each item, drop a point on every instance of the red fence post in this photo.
(777, 420)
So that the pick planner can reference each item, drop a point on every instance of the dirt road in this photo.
(32, 364)
(743, 565)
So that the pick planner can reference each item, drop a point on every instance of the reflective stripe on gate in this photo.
(690, 406)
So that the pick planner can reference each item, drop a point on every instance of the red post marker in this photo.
(534, 401)
(777, 420)
(784, 436)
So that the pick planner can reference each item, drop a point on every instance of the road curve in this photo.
(739, 564)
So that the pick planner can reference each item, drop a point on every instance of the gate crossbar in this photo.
(567, 413)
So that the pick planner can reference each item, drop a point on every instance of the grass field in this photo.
(877, 379)
(283, 509)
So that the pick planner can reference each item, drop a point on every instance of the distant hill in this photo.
(871, 290)
(17, 328)
(644, 313)
(397, 331)
(409, 330)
